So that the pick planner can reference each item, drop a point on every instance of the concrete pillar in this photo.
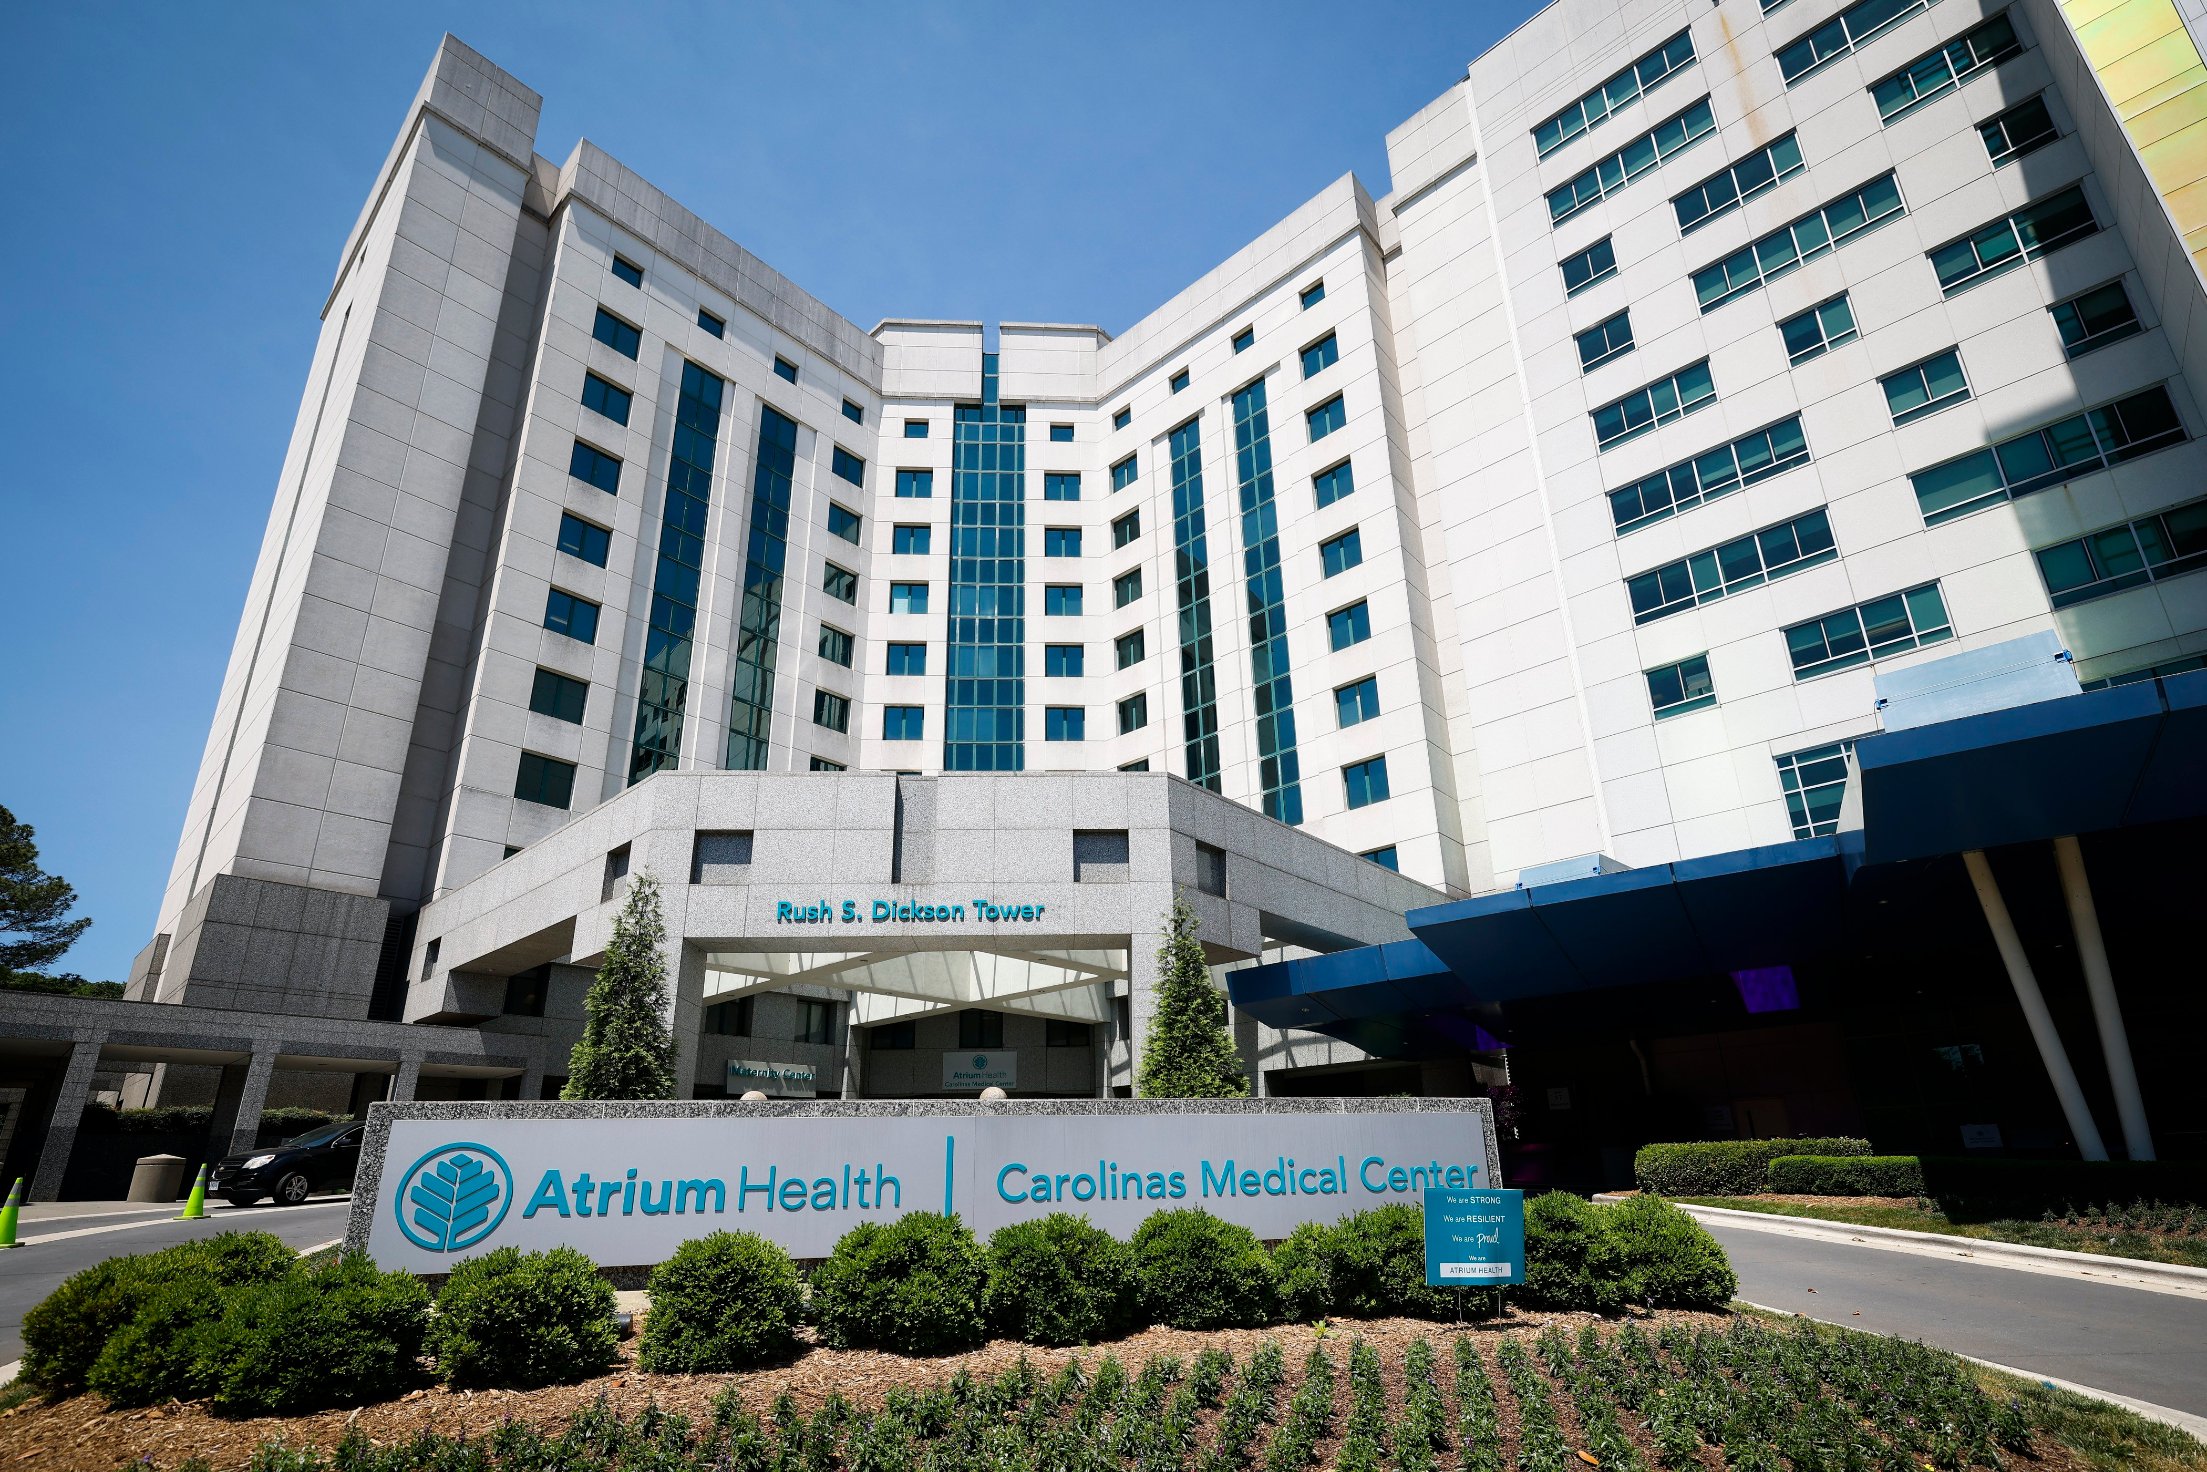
(686, 1011)
(238, 1103)
(61, 1130)
(2107, 1012)
(1141, 989)
(2025, 981)
(532, 1081)
(854, 1080)
(368, 1088)
(405, 1081)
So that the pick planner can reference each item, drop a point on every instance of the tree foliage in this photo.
(627, 1050)
(34, 905)
(1188, 1054)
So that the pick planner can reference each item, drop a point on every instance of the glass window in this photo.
(1643, 76)
(1713, 473)
(1244, 339)
(1130, 649)
(910, 541)
(1386, 857)
(1179, 380)
(1817, 233)
(978, 1028)
(577, 618)
(1347, 626)
(916, 485)
(853, 413)
(609, 399)
(1139, 764)
(1746, 562)
(1126, 529)
(1061, 600)
(822, 764)
(908, 597)
(1603, 341)
(559, 697)
(1938, 72)
(616, 334)
(1729, 188)
(831, 710)
(1815, 784)
(717, 326)
(2062, 451)
(1122, 474)
(849, 466)
(903, 722)
(1678, 688)
(915, 429)
(1339, 554)
(2024, 128)
(1321, 355)
(2120, 557)
(1313, 294)
(1121, 418)
(907, 659)
(591, 464)
(844, 522)
(1667, 139)
(1326, 418)
(1133, 713)
(2005, 244)
(730, 1019)
(1058, 1033)
(1660, 402)
(578, 538)
(785, 370)
(840, 582)
(892, 1037)
(1818, 330)
(628, 270)
(1842, 34)
(1126, 587)
(1331, 484)
(1357, 701)
(1867, 631)
(815, 1021)
(1061, 486)
(1061, 541)
(1064, 723)
(835, 645)
(1061, 434)
(546, 780)
(2095, 319)
(1062, 661)
(1365, 782)
(1598, 262)
(1925, 388)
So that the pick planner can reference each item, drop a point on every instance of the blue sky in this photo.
(181, 179)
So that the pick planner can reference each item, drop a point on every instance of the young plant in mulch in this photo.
(1248, 1409)
(1423, 1429)
(1478, 1422)
(1540, 1445)
(1309, 1417)
(1364, 1447)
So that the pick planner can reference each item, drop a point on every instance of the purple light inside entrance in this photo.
(1484, 1041)
(1767, 989)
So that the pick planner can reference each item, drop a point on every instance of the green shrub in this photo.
(913, 1287)
(1980, 1188)
(66, 1333)
(1303, 1266)
(165, 1349)
(341, 1335)
(1725, 1167)
(1058, 1280)
(1194, 1271)
(1669, 1260)
(519, 1320)
(729, 1301)
(1377, 1261)
(1847, 1175)
(1572, 1261)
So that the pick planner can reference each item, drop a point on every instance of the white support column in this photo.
(2107, 1012)
(2025, 981)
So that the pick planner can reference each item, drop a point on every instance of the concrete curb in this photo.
(2126, 1272)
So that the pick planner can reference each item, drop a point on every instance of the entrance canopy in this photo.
(891, 985)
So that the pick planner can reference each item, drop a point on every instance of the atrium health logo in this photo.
(980, 1060)
(453, 1197)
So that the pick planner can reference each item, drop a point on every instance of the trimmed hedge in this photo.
(1058, 1281)
(1193, 1270)
(1669, 1260)
(1572, 1260)
(1846, 1175)
(912, 1287)
(1725, 1167)
(1979, 1188)
(345, 1334)
(1303, 1266)
(519, 1320)
(1375, 1266)
(729, 1301)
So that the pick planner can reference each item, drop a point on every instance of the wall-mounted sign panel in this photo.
(775, 1080)
(973, 1072)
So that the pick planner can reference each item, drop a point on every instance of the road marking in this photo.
(170, 1209)
(221, 1220)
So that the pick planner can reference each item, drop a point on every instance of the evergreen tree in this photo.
(627, 1051)
(1188, 1054)
(33, 903)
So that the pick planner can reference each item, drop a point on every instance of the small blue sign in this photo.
(1474, 1239)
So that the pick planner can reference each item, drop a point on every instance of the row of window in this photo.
(1317, 356)
(1840, 640)
(1328, 485)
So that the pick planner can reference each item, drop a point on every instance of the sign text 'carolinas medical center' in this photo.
(629, 1195)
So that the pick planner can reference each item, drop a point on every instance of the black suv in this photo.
(320, 1160)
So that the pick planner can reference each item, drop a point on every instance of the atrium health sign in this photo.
(628, 1192)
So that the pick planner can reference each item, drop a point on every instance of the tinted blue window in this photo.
(916, 485)
(1063, 661)
(1126, 587)
(1179, 380)
(628, 270)
(1061, 487)
(1341, 553)
(616, 334)
(1129, 649)
(903, 722)
(910, 541)
(784, 369)
(915, 429)
(908, 659)
(1121, 418)
(759, 612)
(1314, 293)
(1244, 338)
(1366, 782)
(1351, 625)
(1061, 541)
(844, 522)
(589, 463)
(849, 466)
(1061, 600)
(1321, 355)
(577, 618)
(1331, 485)
(1064, 723)
(1384, 857)
(608, 399)
(711, 323)
(836, 646)
(853, 413)
(555, 695)
(1358, 702)
(1326, 418)
(1598, 262)
(908, 597)
(578, 538)
(839, 582)
(1133, 716)
(545, 780)
(1123, 473)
